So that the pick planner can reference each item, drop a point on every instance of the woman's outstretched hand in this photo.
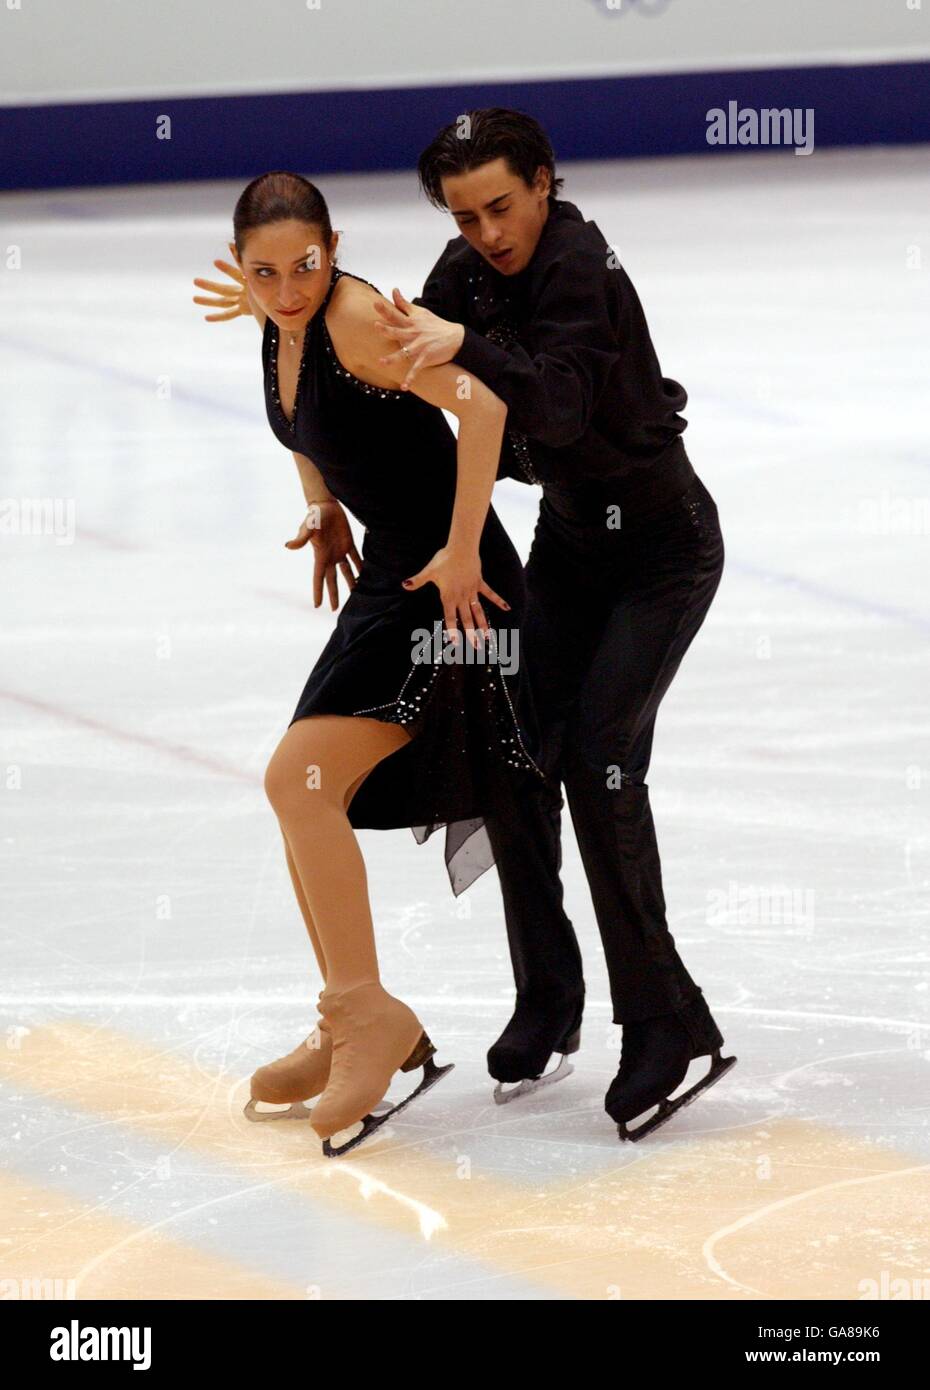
(333, 549)
(233, 299)
(457, 576)
(429, 340)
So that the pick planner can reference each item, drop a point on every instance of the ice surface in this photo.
(153, 650)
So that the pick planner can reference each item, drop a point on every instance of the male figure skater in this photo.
(626, 559)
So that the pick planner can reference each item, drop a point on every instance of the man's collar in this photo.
(560, 211)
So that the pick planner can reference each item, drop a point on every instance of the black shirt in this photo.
(565, 344)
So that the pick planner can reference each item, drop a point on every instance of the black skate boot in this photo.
(654, 1060)
(536, 1031)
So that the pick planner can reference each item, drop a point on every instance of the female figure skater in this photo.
(380, 737)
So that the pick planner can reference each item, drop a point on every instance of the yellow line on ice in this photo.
(776, 1209)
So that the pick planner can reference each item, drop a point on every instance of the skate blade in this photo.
(383, 1112)
(533, 1083)
(295, 1110)
(667, 1108)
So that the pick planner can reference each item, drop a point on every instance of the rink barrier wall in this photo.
(355, 131)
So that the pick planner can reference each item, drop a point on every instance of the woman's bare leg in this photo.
(310, 780)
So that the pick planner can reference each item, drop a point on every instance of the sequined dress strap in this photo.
(382, 392)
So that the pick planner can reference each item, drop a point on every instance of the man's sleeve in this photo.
(440, 291)
(551, 384)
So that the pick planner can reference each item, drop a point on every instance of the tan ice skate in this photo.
(291, 1080)
(373, 1036)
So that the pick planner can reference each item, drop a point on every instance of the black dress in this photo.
(390, 458)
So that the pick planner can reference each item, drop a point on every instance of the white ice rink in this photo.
(155, 640)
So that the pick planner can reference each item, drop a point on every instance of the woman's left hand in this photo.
(457, 576)
(425, 339)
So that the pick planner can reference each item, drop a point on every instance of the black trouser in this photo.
(610, 614)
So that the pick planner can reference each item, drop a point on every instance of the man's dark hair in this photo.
(476, 138)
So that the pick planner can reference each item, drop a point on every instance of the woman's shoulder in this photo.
(352, 301)
(350, 322)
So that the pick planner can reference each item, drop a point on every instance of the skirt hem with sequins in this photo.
(466, 734)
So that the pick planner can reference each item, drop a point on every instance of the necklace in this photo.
(275, 392)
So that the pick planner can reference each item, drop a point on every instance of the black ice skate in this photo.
(524, 1049)
(655, 1058)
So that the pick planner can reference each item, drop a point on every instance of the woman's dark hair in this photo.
(476, 138)
(280, 196)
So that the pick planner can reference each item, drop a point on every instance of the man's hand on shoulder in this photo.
(414, 337)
